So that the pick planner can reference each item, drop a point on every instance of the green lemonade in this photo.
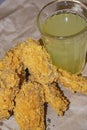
(68, 52)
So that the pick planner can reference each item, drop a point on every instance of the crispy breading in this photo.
(8, 89)
(29, 109)
(11, 77)
(37, 60)
(12, 60)
(34, 57)
(27, 78)
(55, 97)
(72, 81)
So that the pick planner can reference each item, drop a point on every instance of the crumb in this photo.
(53, 125)
(49, 120)
(1, 123)
(48, 128)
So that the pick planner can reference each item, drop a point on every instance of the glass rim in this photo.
(60, 37)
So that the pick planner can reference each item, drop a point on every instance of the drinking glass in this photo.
(63, 27)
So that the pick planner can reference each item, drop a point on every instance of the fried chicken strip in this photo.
(29, 109)
(55, 97)
(72, 81)
(8, 89)
(37, 60)
(11, 77)
(33, 56)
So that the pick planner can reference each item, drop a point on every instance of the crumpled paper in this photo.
(18, 22)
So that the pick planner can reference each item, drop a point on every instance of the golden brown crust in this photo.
(73, 82)
(26, 72)
(29, 109)
(8, 90)
(37, 60)
(33, 56)
(55, 97)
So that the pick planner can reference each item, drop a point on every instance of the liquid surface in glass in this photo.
(64, 24)
(66, 53)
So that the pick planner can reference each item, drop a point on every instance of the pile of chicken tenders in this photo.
(28, 80)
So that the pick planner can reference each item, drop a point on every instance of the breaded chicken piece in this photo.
(38, 62)
(29, 109)
(8, 89)
(30, 54)
(55, 97)
(72, 81)
(11, 77)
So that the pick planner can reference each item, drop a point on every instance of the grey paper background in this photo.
(18, 22)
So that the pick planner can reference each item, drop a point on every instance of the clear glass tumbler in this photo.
(63, 27)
